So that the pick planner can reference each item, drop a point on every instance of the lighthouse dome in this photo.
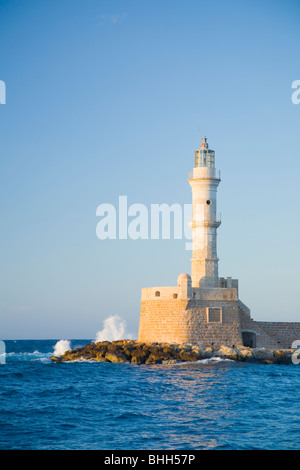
(183, 276)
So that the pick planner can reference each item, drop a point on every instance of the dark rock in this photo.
(139, 353)
(55, 359)
(102, 344)
(189, 355)
(136, 359)
(156, 353)
(283, 356)
(115, 356)
(113, 347)
(156, 357)
(100, 359)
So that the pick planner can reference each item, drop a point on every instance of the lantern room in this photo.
(204, 156)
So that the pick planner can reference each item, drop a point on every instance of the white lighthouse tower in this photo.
(204, 184)
(202, 309)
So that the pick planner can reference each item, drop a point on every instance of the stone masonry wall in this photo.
(271, 334)
(185, 321)
(277, 334)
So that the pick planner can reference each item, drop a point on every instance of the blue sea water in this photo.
(84, 405)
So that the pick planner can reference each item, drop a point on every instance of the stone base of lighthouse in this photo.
(207, 317)
(210, 317)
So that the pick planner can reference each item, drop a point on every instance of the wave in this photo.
(61, 347)
(209, 360)
(214, 359)
(29, 356)
(114, 328)
(58, 349)
(38, 350)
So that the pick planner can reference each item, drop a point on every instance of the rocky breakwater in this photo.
(135, 352)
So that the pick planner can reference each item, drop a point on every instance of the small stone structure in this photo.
(204, 309)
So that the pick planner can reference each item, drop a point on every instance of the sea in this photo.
(207, 405)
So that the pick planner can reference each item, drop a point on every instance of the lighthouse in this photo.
(204, 183)
(204, 309)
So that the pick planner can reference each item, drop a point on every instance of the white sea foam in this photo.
(29, 356)
(114, 328)
(209, 360)
(61, 347)
(214, 359)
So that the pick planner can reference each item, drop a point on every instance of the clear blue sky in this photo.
(105, 98)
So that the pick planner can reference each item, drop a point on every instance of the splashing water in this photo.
(113, 329)
(61, 347)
